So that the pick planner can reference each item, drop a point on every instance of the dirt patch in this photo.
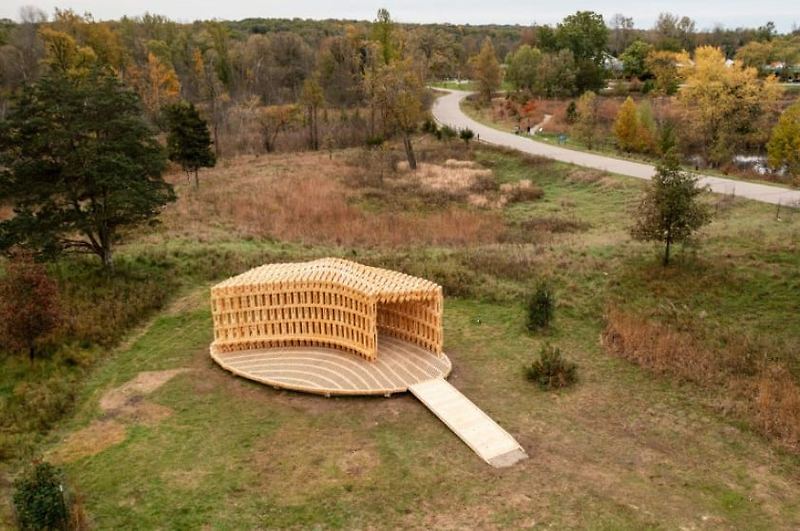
(358, 461)
(91, 440)
(122, 405)
(124, 398)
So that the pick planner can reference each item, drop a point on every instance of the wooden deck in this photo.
(486, 438)
(328, 371)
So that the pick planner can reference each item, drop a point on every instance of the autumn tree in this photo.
(728, 108)
(188, 139)
(78, 164)
(273, 120)
(486, 71)
(399, 92)
(670, 211)
(312, 99)
(29, 304)
(587, 124)
(783, 147)
(626, 126)
(663, 66)
(156, 83)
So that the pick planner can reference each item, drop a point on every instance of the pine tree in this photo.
(669, 211)
(188, 141)
(78, 163)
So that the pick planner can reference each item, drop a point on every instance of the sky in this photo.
(730, 13)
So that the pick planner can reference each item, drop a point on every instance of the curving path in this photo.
(447, 111)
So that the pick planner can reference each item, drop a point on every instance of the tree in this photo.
(586, 126)
(39, 498)
(523, 67)
(585, 34)
(622, 33)
(78, 164)
(466, 135)
(727, 106)
(272, 121)
(29, 304)
(383, 34)
(784, 143)
(555, 76)
(156, 82)
(663, 66)
(312, 98)
(626, 126)
(188, 140)
(486, 70)
(634, 59)
(398, 92)
(669, 211)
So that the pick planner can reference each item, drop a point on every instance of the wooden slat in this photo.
(486, 438)
(329, 371)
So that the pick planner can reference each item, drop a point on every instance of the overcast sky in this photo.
(730, 13)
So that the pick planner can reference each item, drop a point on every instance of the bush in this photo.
(466, 135)
(448, 133)
(39, 498)
(541, 307)
(551, 370)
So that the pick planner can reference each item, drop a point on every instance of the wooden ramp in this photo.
(491, 442)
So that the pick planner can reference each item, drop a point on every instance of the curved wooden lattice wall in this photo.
(328, 302)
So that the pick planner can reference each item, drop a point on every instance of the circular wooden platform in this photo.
(327, 371)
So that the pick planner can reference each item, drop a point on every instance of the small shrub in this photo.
(541, 307)
(466, 135)
(39, 498)
(551, 370)
(448, 133)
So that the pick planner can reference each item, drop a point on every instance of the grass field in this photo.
(626, 448)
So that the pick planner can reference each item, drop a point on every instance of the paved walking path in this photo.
(486, 438)
(447, 110)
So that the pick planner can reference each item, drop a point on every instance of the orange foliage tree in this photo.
(29, 304)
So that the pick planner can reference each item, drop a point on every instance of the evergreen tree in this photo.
(188, 141)
(77, 163)
(669, 211)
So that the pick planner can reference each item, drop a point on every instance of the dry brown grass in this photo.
(778, 406)
(770, 394)
(302, 198)
(658, 347)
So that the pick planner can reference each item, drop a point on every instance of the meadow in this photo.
(690, 434)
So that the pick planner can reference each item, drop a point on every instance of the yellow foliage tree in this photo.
(665, 67)
(728, 108)
(62, 53)
(626, 126)
(784, 143)
(156, 83)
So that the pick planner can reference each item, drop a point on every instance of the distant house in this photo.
(611, 63)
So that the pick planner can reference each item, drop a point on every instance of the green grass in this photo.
(468, 85)
(622, 449)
